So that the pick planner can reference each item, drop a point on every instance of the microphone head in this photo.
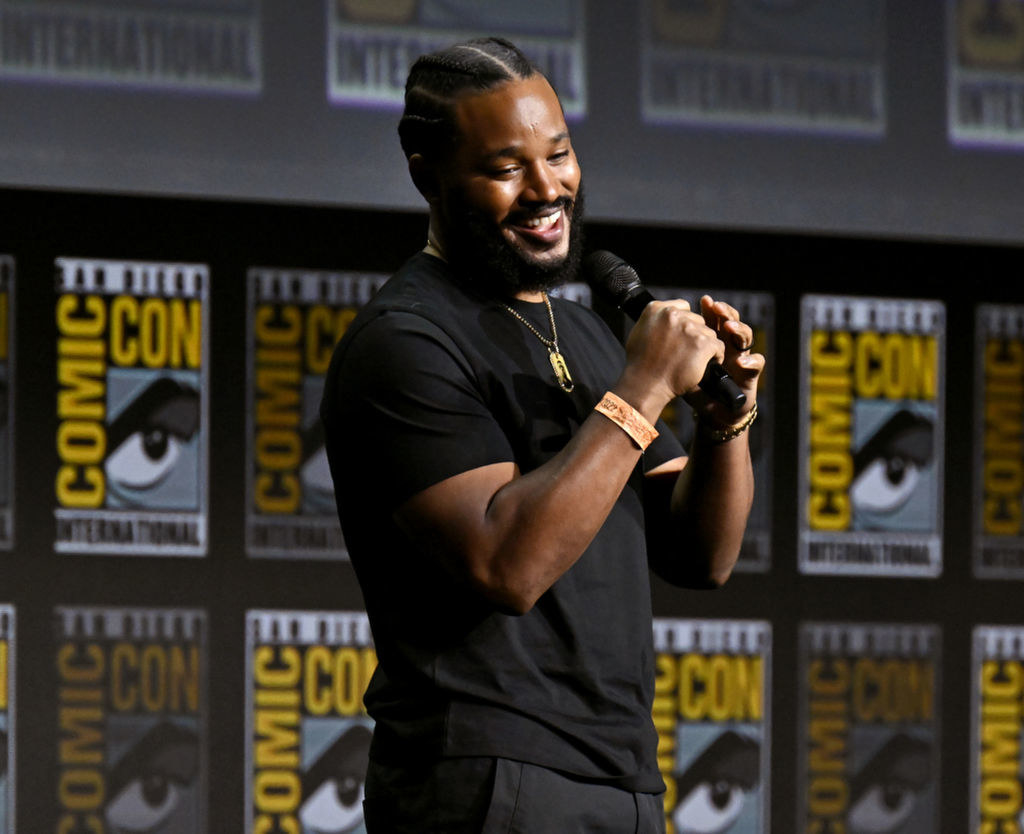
(610, 276)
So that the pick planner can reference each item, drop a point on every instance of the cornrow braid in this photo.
(428, 122)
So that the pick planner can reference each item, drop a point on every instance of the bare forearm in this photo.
(716, 495)
(543, 521)
(699, 543)
(532, 527)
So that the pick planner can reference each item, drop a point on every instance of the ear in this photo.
(425, 177)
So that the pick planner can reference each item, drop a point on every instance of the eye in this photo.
(333, 785)
(144, 804)
(144, 459)
(148, 783)
(334, 807)
(884, 792)
(148, 433)
(888, 465)
(712, 791)
(882, 809)
(885, 485)
(709, 809)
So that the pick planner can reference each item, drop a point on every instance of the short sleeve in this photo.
(403, 401)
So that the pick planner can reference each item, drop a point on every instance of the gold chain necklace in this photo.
(554, 354)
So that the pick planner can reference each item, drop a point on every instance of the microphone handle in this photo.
(716, 383)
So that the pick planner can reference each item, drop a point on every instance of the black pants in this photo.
(500, 796)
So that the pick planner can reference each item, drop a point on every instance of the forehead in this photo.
(510, 115)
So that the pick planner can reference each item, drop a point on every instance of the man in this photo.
(485, 444)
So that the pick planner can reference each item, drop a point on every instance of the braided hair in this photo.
(428, 123)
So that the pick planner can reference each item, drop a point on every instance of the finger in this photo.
(739, 334)
(719, 346)
(717, 313)
(751, 364)
(677, 303)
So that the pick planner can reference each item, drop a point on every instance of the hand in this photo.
(667, 353)
(743, 366)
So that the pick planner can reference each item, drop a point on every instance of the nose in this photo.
(540, 185)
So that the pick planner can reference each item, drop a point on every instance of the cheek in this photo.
(569, 175)
(572, 177)
(492, 199)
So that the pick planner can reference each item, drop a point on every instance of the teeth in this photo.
(542, 222)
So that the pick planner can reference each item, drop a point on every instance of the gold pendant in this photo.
(561, 370)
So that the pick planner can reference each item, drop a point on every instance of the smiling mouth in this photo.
(544, 230)
(543, 222)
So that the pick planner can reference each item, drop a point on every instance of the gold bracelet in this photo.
(730, 432)
(627, 418)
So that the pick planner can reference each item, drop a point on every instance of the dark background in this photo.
(937, 249)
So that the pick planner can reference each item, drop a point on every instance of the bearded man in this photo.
(502, 488)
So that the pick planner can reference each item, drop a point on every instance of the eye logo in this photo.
(147, 438)
(713, 788)
(149, 782)
(888, 465)
(333, 786)
(884, 793)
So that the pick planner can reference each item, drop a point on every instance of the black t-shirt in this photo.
(431, 381)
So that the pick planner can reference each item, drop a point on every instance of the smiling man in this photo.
(503, 489)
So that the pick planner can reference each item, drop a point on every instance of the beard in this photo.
(483, 257)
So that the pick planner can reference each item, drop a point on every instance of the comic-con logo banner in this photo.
(711, 712)
(871, 436)
(132, 405)
(868, 753)
(985, 60)
(806, 66)
(8, 643)
(371, 44)
(295, 319)
(212, 46)
(999, 442)
(758, 310)
(131, 721)
(308, 735)
(6, 401)
(997, 707)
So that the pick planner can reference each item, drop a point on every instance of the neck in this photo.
(434, 246)
(534, 297)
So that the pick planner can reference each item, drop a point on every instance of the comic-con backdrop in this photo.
(183, 645)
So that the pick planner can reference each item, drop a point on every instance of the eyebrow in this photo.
(512, 150)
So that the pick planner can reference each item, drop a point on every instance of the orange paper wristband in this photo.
(627, 418)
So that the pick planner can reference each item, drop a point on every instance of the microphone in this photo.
(616, 282)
